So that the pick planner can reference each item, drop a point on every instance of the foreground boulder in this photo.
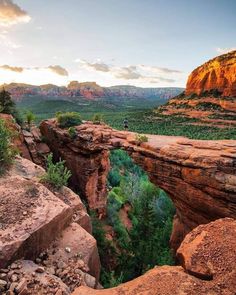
(43, 226)
(208, 259)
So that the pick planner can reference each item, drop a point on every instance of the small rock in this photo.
(14, 266)
(51, 270)
(3, 276)
(67, 249)
(89, 280)
(61, 265)
(40, 269)
(80, 263)
(21, 286)
(14, 278)
(3, 285)
(24, 213)
(38, 260)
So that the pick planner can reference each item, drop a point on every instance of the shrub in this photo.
(57, 175)
(7, 152)
(30, 117)
(68, 119)
(97, 119)
(72, 132)
(141, 138)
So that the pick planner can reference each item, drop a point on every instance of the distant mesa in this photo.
(88, 90)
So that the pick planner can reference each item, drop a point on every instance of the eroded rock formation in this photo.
(208, 267)
(217, 74)
(210, 95)
(199, 176)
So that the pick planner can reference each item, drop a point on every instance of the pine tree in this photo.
(7, 105)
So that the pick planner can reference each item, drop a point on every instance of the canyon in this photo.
(199, 176)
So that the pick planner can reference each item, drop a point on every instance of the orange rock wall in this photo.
(218, 73)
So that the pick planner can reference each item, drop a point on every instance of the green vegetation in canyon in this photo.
(141, 234)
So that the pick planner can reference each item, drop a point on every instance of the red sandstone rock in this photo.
(210, 94)
(198, 175)
(218, 73)
(31, 217)
(207, 252)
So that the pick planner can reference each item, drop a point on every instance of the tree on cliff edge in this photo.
(7, 106)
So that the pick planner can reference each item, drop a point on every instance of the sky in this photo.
(146, 43)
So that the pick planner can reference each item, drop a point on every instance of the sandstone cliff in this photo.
(210, 95)
(218, 74)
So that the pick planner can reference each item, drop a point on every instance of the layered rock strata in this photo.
(199, 176)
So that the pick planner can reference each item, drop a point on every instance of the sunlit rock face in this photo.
(218, 73)
(210, 95)
(198, 175)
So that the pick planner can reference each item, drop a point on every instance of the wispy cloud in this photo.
(13, 69)
(144, 73)
(58, 70)
(11, 14)
(225, 50)
(97, 66)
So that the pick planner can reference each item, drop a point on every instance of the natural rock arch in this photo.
(199, 176)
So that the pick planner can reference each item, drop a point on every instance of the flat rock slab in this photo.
(31, 217)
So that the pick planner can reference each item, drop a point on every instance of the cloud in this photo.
(11, 14)
(155, 69)
(141, 73)
(58, 70)
(127, 73)
(13, 69)
(225, 50)
(97, 66)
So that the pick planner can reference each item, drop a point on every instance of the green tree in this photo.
(7, 152)
(7, 105)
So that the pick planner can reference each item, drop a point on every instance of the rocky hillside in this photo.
(210, 94)
(89, 90)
